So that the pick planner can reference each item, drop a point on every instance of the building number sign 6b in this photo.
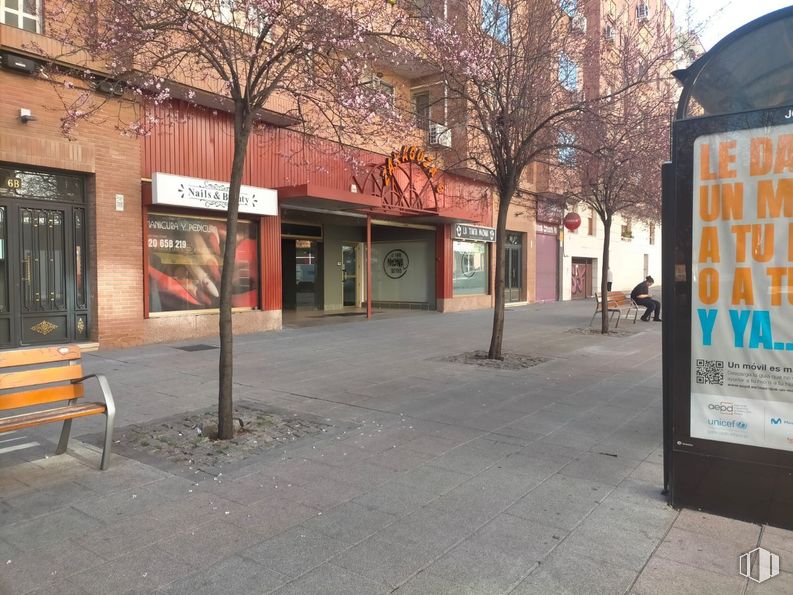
(12, 183)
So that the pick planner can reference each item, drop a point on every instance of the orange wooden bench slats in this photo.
(40, 396)
(56, 375)
(26, 420)
(41, 355)
(40, 376)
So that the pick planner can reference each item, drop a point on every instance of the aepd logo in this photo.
(726, 408)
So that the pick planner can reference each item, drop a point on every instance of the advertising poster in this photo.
(742, 303)
(401, 272)
(186, 258)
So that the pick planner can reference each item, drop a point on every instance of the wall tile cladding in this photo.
(112, 163)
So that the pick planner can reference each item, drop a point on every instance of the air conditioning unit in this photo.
(15, 62)
(608, 34)
(578, 23)
(440, 135)
(110, 88)
(642, 12)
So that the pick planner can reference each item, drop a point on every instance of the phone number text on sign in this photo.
(167, 243)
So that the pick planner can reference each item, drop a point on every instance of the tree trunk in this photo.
(497, 338)
(604, 327)
(242, 130)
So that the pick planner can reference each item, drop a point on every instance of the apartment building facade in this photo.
(117, 239)
(569, 262)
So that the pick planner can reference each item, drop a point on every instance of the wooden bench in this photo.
(47, 375)
(617, 303)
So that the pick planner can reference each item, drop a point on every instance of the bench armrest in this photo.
(104, 385)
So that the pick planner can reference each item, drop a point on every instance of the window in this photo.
(23, 14)
(568, 73)
(378, 85)
(186, 260)
(566, 152)
(627, 233)
(471, 268)
(569, 6)
(642, 11)
(419, 9)
(591, 223)
(421, 109)
(495, 20)
(652, 234)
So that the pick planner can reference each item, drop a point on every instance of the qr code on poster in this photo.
(710, 371)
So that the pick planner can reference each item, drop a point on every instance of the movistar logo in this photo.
(776, 421)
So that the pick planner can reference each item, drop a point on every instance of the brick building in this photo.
(116, 240)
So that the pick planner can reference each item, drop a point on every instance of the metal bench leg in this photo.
(619, 316)
(110, 416)
(593, 317)
(64, 441)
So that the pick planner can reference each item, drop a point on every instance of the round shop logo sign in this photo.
(396, 263)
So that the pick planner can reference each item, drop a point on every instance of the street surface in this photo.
(434, 477)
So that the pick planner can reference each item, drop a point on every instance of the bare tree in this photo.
(509, 71)
(310, 56)
(515, 71)
(617, 145)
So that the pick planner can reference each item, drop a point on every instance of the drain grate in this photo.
(199, 347)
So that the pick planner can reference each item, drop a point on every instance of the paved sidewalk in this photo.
(436, 477)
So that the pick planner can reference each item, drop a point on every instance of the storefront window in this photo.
(186, 259)
(470, 268)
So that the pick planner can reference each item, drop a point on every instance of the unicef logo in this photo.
(395, 263)
(742, 425)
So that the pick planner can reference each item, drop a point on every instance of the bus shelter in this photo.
(728, 279)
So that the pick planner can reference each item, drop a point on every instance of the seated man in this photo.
(641, 295)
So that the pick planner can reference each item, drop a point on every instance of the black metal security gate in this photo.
(43, 258)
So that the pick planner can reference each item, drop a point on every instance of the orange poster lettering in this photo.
(761, 156)
(709, 245)
(770, 203)
(742, 290)
(705, 172)
(740, 232)
(708, 286)
(784, 154)
(726, 159)
(763, 242)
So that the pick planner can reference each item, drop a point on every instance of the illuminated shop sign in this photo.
(411, 154)
(195, 193)
(474, 232)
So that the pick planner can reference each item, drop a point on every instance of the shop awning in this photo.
(315, 196)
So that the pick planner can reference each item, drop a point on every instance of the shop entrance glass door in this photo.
(306, 275)
(513, 268)
(349, 275)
